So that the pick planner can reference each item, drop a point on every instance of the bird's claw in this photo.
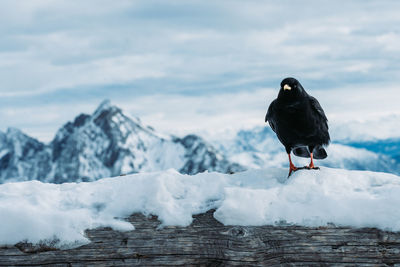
(291, 170)
(311, 168)
(294, 169)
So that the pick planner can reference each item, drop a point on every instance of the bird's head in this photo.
(290, 87)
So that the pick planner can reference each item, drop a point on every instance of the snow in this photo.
(40, 212)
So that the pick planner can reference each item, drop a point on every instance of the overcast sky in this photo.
(188, 66)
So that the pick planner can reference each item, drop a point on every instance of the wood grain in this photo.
(207, 242)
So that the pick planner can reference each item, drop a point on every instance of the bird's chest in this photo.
(293, 112)
(294, 116)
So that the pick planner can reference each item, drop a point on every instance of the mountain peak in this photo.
(12, 130)
(16, 133)
(104, 106)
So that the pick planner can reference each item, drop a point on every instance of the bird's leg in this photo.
(311, 166)
(312, 162)
(292, 168)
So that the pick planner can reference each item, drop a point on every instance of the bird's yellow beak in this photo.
(287, 87)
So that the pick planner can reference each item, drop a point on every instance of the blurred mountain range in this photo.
(109, 143)
(104, 144)
(259, 148)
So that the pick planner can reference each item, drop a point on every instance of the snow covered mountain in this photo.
(259, 148)
(23, 157)
(108, 143)
(104, 144)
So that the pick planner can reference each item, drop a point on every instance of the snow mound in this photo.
(36, 211)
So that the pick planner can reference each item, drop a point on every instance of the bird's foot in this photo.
(311, 167)
(294, 169)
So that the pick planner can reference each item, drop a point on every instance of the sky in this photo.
(196, 66)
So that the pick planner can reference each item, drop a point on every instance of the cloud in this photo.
(74, 53)
(205, 41)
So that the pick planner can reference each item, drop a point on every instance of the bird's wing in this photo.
(270, 115)
(323, 125)
(317, 107)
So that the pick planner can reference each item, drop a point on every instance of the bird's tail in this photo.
(301, 151)
(318, 152)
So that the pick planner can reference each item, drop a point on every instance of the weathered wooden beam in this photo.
(208, 242)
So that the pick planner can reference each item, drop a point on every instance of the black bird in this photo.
(299, 122)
